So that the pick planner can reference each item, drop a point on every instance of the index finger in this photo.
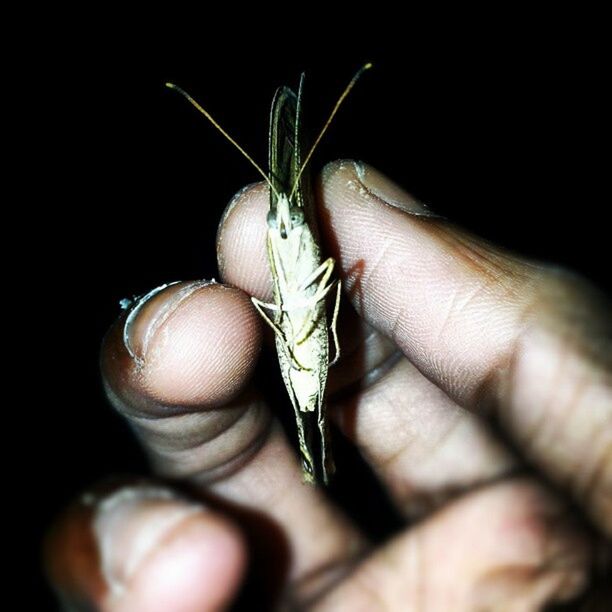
(491, 329)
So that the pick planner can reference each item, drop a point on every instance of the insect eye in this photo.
(271, 219)
(297, 217)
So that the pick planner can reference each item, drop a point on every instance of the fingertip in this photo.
(198, 567)
(143, 547)
(206, 351)
(192, 343)
(241, 241)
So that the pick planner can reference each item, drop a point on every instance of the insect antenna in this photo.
(343, 95)
(204, 112)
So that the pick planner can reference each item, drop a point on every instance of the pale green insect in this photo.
(301, 280)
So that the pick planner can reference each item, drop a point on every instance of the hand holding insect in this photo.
(442, 317)
(301, 280)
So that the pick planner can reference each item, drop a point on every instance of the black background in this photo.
(498, 122)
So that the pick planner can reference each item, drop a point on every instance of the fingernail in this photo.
(378, 185)
(149, 312)
(130, 524)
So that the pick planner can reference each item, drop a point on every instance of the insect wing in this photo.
(282, 142)
(287, 146)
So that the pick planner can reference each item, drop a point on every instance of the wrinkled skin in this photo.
(446, 335)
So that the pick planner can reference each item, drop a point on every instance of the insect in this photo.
(301, 279)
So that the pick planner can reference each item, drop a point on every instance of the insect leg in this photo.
(310, 302)
(334, 324)
(311, 321)
(259, 305)
(326, 269)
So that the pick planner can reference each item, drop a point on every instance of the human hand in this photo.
(451, 334)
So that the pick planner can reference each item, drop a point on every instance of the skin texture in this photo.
(447, 334)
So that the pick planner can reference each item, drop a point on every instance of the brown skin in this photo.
(451, 331)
